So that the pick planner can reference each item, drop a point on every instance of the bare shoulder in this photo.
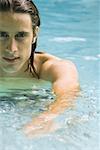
(43, 57)
(52, 66)
(46, 58)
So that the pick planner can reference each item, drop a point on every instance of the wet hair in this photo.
(24, 6)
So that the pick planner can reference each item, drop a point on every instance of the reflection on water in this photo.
(25, 99)
(20, 105)
(76, 124)
(80, 126)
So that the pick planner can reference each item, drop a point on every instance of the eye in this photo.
(20, 35)
(3, 35)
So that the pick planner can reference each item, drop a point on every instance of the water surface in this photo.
(70, 30)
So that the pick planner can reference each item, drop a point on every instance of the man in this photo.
(19, 26)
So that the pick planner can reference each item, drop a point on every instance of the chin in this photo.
(11, 71)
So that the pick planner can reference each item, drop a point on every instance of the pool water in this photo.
(70, 30)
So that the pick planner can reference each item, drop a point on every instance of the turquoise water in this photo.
(70, 30)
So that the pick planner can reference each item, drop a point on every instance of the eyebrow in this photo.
(4, 31)
(25, 32)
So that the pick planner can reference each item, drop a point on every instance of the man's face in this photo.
(15, 41)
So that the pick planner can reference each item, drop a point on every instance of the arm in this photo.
(65, 86)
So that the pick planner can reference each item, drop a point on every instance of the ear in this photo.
(35, 33)
(36, 30)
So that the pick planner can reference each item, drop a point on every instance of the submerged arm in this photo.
(65, 86)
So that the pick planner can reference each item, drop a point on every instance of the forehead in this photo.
(15, 21)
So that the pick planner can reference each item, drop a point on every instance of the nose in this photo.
(12, 45)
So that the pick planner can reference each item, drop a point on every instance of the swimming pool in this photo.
(70, 30)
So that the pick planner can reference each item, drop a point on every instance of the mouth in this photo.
(11, 60)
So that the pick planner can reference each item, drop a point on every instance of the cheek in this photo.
(29, 47)
(26, 51)
(2, 47)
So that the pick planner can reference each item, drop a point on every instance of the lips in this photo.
(11, 59)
